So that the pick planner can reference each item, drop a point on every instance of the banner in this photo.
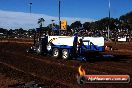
(63, 25)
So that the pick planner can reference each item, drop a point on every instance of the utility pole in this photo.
(30, 7)
(109, 23)
(59, 18)
(30, 10)
(52, 23)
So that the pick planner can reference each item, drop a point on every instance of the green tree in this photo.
(76, 24)
(86, 25)
(40, 22)
(126, 20)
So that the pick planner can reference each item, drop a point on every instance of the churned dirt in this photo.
(16, 66)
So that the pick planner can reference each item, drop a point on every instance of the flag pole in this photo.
(59, 18)
(109, 22)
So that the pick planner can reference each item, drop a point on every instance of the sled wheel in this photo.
(65, 54)
(55, 53)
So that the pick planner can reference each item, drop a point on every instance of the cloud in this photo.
(13, 20)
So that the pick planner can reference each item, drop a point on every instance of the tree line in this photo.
(124, 22)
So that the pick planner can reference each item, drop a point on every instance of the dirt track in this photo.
(17, 64)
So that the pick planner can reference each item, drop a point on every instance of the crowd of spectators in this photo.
(29, 34)
(113, 35)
